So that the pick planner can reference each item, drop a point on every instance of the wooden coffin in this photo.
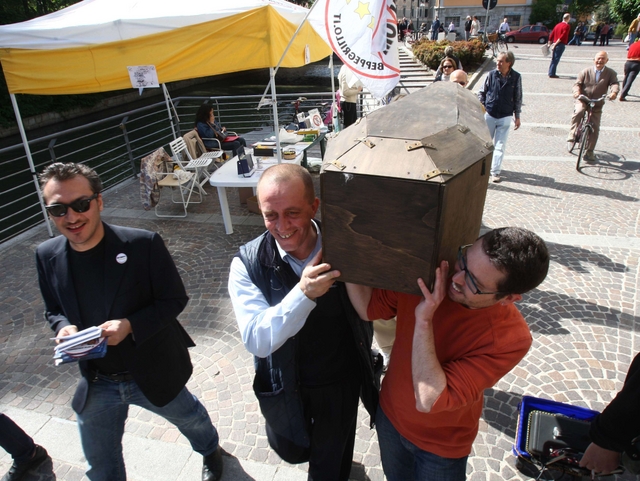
(404, 187)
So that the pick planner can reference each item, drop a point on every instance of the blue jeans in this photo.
(555, 58)
(499, 130)
(404, 461)
(15, 441)
(101, 425)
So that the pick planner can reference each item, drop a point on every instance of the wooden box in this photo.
(404, 187)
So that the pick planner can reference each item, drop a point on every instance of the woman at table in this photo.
(209, 128)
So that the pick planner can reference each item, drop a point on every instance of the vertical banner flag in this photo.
(363, 34)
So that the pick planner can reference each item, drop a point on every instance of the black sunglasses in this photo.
(471, 283)
(79, 206)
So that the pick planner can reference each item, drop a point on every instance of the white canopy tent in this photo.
(89, 46)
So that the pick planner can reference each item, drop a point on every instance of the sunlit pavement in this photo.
(584, 318)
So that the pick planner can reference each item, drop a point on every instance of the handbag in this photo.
(545, 50)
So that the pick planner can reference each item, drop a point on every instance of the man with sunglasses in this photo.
(124, 281)
(451, 344)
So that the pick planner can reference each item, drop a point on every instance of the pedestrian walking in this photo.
(501, 96)
(631, 69)
(26, 454)
(604, 35)
(634, 30)
(558, 40)
(597, 37)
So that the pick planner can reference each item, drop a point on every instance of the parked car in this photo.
(529, 33)
(591, 34)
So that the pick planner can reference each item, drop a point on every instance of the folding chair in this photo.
(217, 141)
(185, 182)
(156, 172)
(198, 165)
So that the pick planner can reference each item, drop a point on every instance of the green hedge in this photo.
(431, 53)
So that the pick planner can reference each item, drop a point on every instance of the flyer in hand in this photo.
(81, 346)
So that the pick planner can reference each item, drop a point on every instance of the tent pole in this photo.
(167, 100)
(295, 34)
(27, 150)
(274, 105)
(334, 108)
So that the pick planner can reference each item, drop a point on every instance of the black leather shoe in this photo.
(212, 466)
(17, 471)
(553, 76)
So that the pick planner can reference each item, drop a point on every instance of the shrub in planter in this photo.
(431, 53)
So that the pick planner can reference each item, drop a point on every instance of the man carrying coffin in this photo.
(312, 353)
(451, 344)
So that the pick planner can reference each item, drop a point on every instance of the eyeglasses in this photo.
(462, 83)
(447, 66)
(471, 283)
(79, 206)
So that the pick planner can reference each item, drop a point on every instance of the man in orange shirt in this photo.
(450, 346)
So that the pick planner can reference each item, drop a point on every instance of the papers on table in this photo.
(81, 346)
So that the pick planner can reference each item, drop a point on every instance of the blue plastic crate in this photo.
(530, 403)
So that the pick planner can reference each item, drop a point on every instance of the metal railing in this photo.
(114, 145)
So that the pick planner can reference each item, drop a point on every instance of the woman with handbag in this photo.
(209, 129)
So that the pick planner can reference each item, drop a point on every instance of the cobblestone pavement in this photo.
(584, 318)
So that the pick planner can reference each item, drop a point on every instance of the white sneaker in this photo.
(495, 179)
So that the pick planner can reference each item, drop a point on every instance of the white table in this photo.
(227, 176)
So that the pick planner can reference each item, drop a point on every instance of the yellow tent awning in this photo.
(249, 40)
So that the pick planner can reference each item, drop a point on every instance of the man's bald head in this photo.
(283, 173)
(600, 60)
(459, 77)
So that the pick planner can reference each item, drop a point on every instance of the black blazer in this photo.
(144, 286)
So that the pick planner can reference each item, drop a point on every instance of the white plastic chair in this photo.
(199, 165)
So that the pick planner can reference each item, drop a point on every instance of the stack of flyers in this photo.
(81, 346)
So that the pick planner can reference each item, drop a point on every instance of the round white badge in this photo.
(121, 258)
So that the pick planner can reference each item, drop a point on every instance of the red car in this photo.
(529, 33)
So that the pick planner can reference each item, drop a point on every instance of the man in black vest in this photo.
(125, 282)
(501, 96)
(312, 352)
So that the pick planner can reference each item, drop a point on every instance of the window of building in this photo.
(448, 20)
(514, 21)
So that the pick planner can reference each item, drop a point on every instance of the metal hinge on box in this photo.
(337, 164)
(366, 142)
(418, 145)
(437, 172)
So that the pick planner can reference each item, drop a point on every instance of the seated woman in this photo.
(208, 128)
(446, 68)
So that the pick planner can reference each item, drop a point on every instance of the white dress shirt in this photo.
(265, 328)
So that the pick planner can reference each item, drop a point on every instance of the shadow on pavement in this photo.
(578, 259)
(549, 182)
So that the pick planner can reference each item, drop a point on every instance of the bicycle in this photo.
(584, 128)
(497, 43)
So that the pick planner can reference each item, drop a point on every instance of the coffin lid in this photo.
(430, 135)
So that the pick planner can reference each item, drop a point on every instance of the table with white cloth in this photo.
(227, 176)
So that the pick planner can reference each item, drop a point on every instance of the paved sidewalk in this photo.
(585, 318)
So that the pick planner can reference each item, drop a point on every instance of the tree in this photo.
(544, 11)
(13, 11)
(581, 8)
(624, 11)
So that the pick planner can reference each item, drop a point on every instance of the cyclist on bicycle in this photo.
(503, 28)
(593, 82)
